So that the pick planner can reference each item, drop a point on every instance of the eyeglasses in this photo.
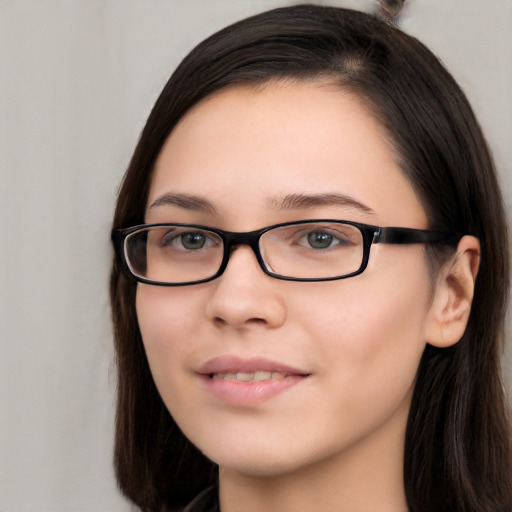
(309, 250)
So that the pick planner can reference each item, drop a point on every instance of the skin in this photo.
(335, 440)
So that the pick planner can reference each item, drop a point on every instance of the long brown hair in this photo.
(458, 454)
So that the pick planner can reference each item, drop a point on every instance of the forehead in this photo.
(244, 147)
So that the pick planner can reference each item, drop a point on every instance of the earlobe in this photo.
(453, 295)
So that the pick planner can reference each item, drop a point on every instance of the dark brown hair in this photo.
(458, 444)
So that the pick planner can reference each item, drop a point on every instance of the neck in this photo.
(365, 476)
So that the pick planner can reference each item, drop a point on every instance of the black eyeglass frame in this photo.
(371, 235)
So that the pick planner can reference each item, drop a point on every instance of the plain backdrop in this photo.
(77, 81)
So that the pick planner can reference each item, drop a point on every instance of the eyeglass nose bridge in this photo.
(234, 239)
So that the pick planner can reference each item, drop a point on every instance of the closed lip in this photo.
(233, 364)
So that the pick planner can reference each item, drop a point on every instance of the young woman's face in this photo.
(332, 363)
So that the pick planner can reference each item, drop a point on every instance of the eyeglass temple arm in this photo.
(414, 236)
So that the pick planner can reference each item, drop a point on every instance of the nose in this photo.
(244, 295)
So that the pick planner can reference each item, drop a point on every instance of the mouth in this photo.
(248, 382)
(248, 370)
(258, 376)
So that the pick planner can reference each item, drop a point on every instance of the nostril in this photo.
(219, 321)
(257, 321)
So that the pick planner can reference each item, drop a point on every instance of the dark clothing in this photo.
(205, 501)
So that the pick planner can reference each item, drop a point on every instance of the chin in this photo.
(260, 460)
(257, 468)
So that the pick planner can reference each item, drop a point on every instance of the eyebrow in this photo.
(186, 201)
(288, 202)
(304, 201)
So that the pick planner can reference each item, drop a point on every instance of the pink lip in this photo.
(252, 393)
(232, 364)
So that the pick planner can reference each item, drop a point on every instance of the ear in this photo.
(453, 295)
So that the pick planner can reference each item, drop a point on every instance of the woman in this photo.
(277, 350)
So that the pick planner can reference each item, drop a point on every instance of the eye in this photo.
(320, 239)
(317, 237)
(193, 241)
(187, 240)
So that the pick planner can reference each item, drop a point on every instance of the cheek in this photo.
(371, 327)
(166, 321)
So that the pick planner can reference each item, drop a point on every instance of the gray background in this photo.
(77, 81)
